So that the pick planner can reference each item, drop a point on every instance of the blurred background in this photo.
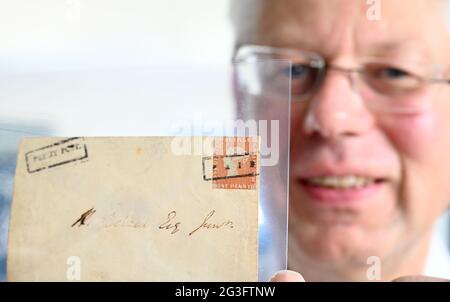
(107, 67)
(63, 62)
(110, 67)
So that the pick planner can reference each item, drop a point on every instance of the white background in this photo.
(112, 67)
(65, 65)
(107, 67)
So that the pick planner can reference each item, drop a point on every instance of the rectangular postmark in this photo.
(234, 164)
(57, 154)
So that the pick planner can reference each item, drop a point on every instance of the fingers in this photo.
(419, 278)
(287, 276)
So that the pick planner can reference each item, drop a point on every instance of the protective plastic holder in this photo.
(250, 97)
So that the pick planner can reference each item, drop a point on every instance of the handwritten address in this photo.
(171, 224)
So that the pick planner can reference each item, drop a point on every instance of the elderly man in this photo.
(370, 145)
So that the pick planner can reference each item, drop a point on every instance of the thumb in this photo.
(419, 278)
(287, 276)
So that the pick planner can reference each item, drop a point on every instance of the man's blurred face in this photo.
(364, 182)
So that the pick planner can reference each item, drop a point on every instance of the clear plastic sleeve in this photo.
(242, 99)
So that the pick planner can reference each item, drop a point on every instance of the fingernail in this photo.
(287, 276)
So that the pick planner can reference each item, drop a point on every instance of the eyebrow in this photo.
(404, 50)
(288, 36)
(396, 46)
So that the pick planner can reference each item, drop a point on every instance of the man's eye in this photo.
(388, 78)
(299, 70)
(392, 73)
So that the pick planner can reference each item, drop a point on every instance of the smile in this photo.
(341, 189)
(341, 182)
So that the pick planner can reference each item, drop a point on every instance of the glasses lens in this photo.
(386, 83)
(305, 77)
(390, 80)
(395, 88)
(304, 71)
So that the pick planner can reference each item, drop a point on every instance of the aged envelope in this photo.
(135, 209)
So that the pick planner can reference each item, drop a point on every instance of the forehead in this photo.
(342, 26)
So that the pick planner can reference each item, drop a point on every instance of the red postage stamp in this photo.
(234, 163)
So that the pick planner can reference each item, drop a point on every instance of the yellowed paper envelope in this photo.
(135, 209)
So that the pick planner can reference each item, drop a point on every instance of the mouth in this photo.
(345, 182)
(345, 189)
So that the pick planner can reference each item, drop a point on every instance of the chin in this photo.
(339, 245)
(343, 236)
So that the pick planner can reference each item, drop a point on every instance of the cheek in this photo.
(297, 145)
(297, 116)
(294, 134)
(415, 135)
(422, 143)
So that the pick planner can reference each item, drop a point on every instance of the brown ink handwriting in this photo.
(209, 225)
(82, 220)
(168, 224)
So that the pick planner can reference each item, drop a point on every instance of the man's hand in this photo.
(291, 276)
(287, 276)
(419, 278)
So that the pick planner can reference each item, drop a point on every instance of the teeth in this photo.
(341, 182)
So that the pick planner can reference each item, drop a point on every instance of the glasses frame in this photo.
(246, 51)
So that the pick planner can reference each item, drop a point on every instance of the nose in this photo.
(337, 109)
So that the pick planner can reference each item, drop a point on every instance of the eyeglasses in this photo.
(391, 85)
